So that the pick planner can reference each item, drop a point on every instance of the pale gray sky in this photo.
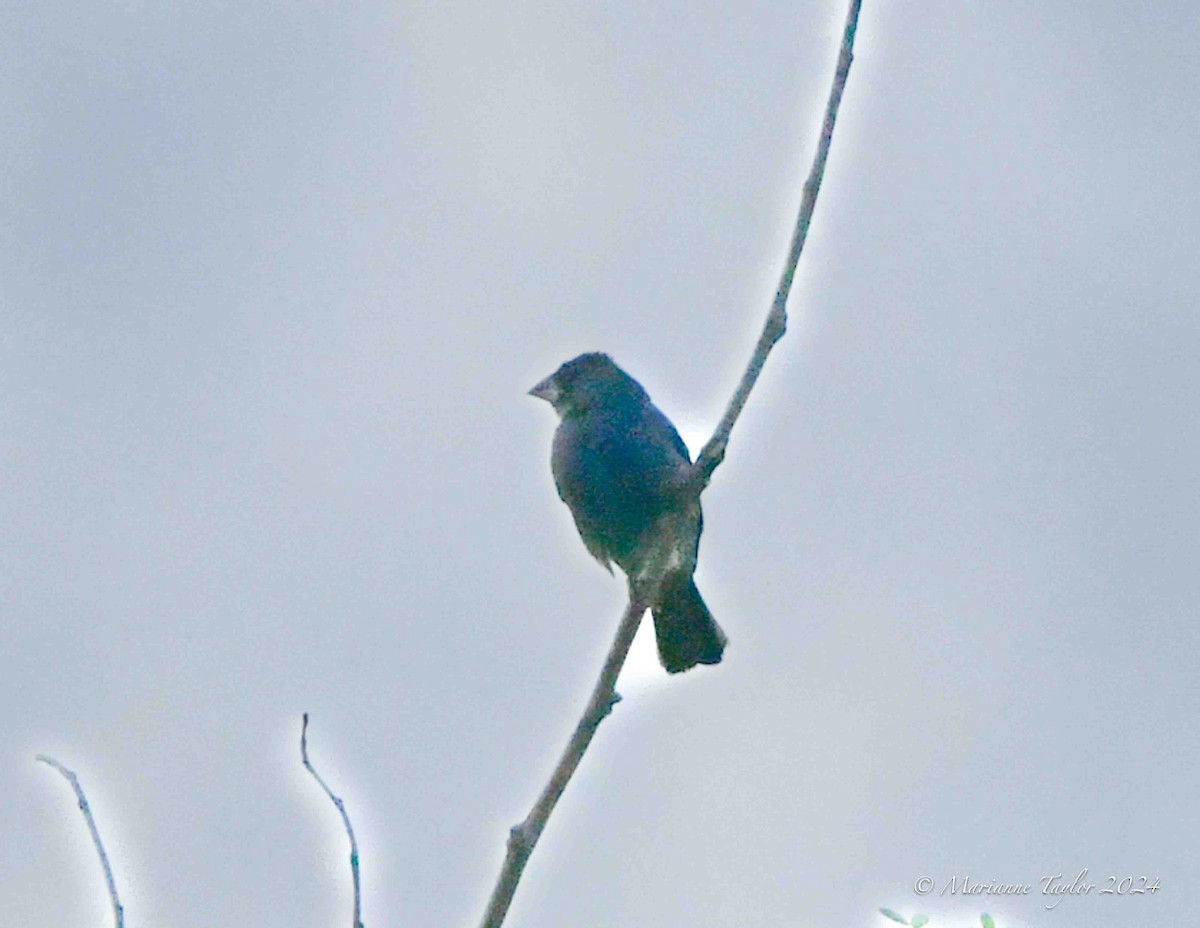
(274, 279)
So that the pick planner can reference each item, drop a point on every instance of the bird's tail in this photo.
(686, 631)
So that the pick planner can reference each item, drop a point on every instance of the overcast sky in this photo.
(274, 279)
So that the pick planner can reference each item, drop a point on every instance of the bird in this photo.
(619, 465)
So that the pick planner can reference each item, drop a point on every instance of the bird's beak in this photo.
(546, 390)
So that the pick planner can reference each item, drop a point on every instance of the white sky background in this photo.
(274, 278)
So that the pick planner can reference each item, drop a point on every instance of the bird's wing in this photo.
(617, 468)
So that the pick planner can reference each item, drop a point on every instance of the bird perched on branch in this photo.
(622, 469)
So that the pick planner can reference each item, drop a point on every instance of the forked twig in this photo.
(341, 807)
(524, 836)
(118, 911)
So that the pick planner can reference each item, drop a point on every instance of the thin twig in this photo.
(776, 323)
(118, 911)
(341, 807)
(524, 836)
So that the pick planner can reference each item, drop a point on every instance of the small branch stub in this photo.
(341, 807)
(69, 776)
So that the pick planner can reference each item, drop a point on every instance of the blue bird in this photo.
(619, 465)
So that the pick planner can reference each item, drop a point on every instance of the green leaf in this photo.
(894, 917)
(918, 921)
(987, 921)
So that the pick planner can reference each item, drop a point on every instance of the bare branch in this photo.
(776, 324)
(118, 911)
(524, 836)
(341, 807)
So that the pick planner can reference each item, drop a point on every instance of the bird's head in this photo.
(585, 381)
